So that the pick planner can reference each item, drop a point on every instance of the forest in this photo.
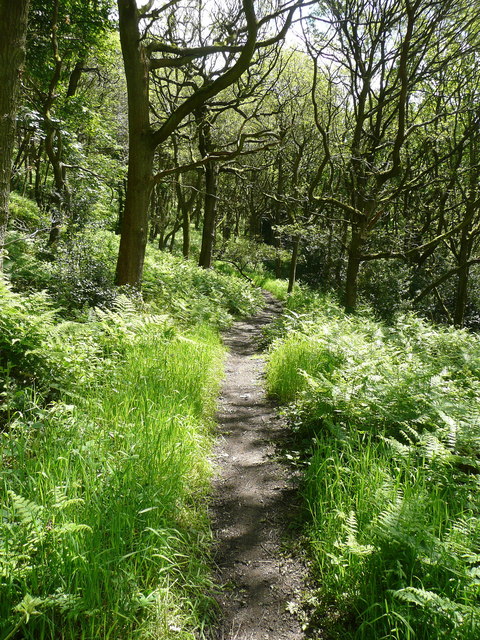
(165, 167)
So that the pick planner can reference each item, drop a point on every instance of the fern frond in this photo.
(437, 605)
(27, 511)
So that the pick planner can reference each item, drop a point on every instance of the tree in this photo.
(381, 54)
(13, 29)
(229, 41)
(61, 38)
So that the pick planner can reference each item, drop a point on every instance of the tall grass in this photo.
(102, 522)
(105, 471)
(390, 418)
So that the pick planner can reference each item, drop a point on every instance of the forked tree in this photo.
(227, 34)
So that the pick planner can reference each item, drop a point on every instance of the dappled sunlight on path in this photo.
(255, 499)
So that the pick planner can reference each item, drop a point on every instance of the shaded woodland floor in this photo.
(255, 500)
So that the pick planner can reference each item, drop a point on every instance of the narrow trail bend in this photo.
(253, 500)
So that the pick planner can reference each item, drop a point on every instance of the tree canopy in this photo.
(347, 154)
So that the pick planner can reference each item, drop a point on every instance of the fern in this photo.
(351, 544)
(395, 423)
(439, 606)
(27, 512)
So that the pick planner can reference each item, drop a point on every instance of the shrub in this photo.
(25, 213)
(82, 273)
(25, 360)
(78, 274)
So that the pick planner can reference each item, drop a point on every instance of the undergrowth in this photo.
(105, 440)
(388, 418)
(258, 276)
(197, 295)
(79, 274)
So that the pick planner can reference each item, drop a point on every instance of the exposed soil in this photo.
(255, 500)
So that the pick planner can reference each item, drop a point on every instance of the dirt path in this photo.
(254, 500)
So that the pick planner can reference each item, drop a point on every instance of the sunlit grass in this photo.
(262, 279)
(104, 531)
(197, 295)
(276, 286)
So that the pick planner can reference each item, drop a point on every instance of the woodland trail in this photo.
(254, 500)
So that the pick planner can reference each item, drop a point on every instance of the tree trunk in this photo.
(209, 216)
(197, 214)
(61, 196)
(37, 189)
(293, 264)
(340, 259)
(154, 218)
(184, 204)
(13, 28)
(161, 240)
(186, 232)
(254, 220)
(205, 146)
(143, 140)
(466, 239)
(121, 191)
(353, 267)
(173, 236)
(134, 230)
(75, 78)
(184, 207)
(278, 214)
(461, 294)
(227, 230)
